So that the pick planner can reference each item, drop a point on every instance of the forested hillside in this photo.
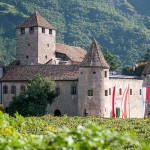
(122, 26)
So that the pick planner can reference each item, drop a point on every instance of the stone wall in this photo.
(6, 98)
(134, 103)
(65, 102)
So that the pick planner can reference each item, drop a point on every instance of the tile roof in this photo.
(54, 72)
(147, 68)
(76, 54)
(36, 20)
(94, 57)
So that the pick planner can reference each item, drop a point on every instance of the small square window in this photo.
(140, 92)
(13, 89)
(73, 90)
(90, 92)
(47, 45)
(22, 30)
(130, 91)
(109, 91)
(106, 92)
(27, 56)
(22, 88)
(94, 72)
(105, 74)
(31, 30)
(120, 91)
(46, 57)
(43, 30)
(5, 89)
(50, 31)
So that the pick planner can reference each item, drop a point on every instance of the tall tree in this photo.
(112, 60)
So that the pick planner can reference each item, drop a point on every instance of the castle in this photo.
(83, 79)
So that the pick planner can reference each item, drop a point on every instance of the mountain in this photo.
(122, 26)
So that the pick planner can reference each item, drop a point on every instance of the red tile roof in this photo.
(94, 57)
(36, 20)
(76, 54)
(54, 72)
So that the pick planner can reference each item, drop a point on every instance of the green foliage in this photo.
(112, 60)
(128, 70)
(117, 112)
(47, 133)
(139, 68)
(121, 26)
(33, 102)
(147, 56)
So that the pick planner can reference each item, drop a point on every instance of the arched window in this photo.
(73, 89)
(22, 88)
(5, 89)
(13, 89)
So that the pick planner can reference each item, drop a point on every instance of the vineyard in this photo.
(73, 133)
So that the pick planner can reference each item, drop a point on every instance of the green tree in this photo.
(33, 101)
(128, 70)
(139, 68)
(112, 60)
(147, 55)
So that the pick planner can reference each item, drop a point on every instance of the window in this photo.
(106, 92)
(58, 90)
(109, 91)
(27, 56)
(5, 89)
(94, 72)
(47, 45)
(90, 92)
(43, 30)
(46, 57)
(105, 74)
(22, 30)
(50, 31)
(130, 91)
(28, 44)
(73, 90)
(31, 30)
(140, 92)
(13, 89)
(22, 88)
(120, 91)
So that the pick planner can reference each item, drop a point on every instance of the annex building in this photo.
(83, 79)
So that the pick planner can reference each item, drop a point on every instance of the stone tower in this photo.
(36, 41)
(93, 72)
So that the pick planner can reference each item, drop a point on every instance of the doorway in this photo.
(57, 113)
